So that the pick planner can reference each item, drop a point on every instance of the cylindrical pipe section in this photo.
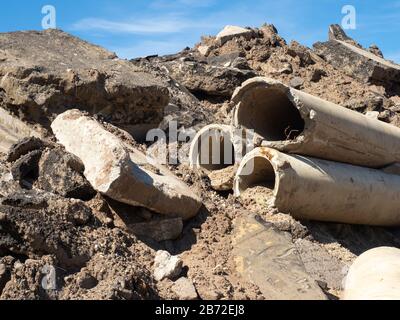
(295, 122)
(314, 189)
(375, 275)
(213, 151)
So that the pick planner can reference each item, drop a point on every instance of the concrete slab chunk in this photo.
(125, 176)
(230, 32)
(357, 62)
(268, 258)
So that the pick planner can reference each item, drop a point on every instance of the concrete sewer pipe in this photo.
(295, 122)
(214, 152)
(314, 189)
(374, 275)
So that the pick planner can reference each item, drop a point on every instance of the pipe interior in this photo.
(271, 114)
(216, 151)
(257, 172)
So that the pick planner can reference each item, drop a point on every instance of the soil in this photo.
(79, 239)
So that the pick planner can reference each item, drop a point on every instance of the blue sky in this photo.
(139, 28)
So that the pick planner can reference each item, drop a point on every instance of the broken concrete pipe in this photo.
(314, 189)
(125, 176)
(213, 152)
(12, 130)
(374, 275)
(292, 121)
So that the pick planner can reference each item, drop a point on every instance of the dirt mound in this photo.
(59, 239)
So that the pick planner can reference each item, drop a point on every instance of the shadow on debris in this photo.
(355, 238)
(187, 239)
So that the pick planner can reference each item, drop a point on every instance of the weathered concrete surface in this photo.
(314, 189)
(42, 74)
(293, 121)
(12, 129)
(125, 176)
(231, 32)
(344, 53)
(213, 151)
(269, 259)
(375, 275)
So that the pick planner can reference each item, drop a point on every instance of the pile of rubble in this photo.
(85, 213)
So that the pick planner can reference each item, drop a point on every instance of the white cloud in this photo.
(141, 26)
(181, 4)
(162, 24)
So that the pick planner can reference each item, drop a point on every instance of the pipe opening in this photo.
(216, 150)
(271, 114)
(258, 171)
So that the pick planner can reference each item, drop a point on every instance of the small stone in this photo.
(396, 100)
(166, 266)
(317, 75)
(286, 69)
(374, 49)
(23, 147)
(3, 217)
(184, 289)
(87, 281)
(158, 229)
(384, 115)
(231, 32)
(372, 114)
(204, 50)
(296, 83)
(62, 173)
(27, 167)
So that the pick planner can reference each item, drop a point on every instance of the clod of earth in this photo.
(60, 70)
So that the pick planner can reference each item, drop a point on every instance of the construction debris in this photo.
(53, 220)
(214, 151)
(59, 71)
(374, 275)
(185, 289)
(293, 121)
(355, 61)
(322, 190)
(166, 266)
(230, 32)
(127, 177)
(269, 259)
